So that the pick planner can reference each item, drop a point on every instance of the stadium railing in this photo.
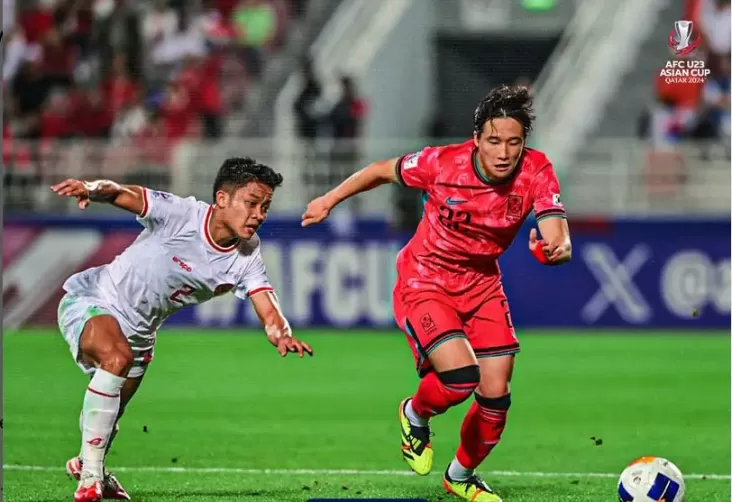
(615, 178)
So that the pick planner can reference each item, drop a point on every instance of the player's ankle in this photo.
(413, 417)
(458, 472)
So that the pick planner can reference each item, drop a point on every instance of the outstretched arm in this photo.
(371, 176)
(278, 330)
(128, 197)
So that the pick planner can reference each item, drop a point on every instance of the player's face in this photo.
(247, 209)
(499, 147)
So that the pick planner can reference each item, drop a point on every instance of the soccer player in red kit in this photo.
(448, 296)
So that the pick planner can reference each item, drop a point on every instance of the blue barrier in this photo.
(625, 273)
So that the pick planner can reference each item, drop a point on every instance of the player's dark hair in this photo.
(237, 172)
(505, 102)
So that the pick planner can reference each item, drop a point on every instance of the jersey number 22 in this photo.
(454, 220)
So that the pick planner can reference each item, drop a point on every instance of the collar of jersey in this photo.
(485, 179)
(209, 239)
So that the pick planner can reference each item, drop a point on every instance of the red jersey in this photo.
(469, 220)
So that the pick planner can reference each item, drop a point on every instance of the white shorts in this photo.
(73, 313)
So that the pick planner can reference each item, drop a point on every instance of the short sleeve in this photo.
(417, 170)
(546, 195)
(165, 212)
(254, 278)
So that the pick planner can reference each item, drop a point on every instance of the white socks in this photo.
(456, 472)
(412, 416)
(101, 405)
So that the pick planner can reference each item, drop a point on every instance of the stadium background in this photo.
(627, 345)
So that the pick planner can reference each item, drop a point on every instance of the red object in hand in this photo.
(538, 253)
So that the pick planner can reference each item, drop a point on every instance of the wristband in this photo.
(538, 253)
(97, 193)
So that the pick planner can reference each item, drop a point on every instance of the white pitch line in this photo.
(343, 472)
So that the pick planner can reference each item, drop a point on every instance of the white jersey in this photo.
(173, 263)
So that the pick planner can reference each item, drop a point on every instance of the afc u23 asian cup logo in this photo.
(684, 39)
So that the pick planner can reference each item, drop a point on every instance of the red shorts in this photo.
(431, 317)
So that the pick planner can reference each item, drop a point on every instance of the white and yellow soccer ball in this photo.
(651, 479)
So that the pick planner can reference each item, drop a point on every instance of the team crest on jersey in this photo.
(428, 325)
(222, 289)
(515, 206)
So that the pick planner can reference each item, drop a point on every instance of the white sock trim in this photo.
(457, 472)
(412, 416)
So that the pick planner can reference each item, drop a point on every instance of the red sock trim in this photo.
(101, 393)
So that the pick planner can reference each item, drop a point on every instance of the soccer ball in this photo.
(650, 479)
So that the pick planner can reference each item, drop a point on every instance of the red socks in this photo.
(485, 421)
(482, 429)
(439, 391)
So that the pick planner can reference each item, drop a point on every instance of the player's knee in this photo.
(118, 360)
(494, 403)
(493, 388)
(461, 381)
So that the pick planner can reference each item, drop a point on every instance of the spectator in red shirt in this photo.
(119, 89)
(36, 23)
(58, 59)
(95, 115)
(55, 121)
(201, 80)
(178, 111)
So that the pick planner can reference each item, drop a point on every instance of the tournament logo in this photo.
(683, 40)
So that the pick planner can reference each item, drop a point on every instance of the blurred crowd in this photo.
(126, 80)
(134, 71)
(328, 127)
(698, 111)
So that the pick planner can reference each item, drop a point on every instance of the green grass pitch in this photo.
(222, 417)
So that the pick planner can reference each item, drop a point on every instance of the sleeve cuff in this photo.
(256, 291)
(551, 213)
(145, 204)
(398, 171)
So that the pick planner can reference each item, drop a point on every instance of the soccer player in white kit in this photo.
(187, 253)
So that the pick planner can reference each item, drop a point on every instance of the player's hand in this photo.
(73, 188)
(286, 343)
(554, 253)
(317, 211)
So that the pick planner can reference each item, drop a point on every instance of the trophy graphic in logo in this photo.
(680, 39)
